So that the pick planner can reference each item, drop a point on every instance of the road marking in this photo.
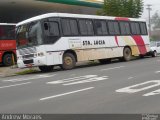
(78, 80)
(157, 72)
(156, 92)
(15, 85)
(130, 78)
(46, 98)
(130, 89)
(31, 78)
(89, 80)
(71, 79)
(112, 68)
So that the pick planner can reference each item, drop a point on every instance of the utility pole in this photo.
(149, 17)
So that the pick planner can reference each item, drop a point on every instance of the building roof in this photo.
(7, 23)
(88, 3)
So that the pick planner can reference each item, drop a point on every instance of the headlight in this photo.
(35, 55)
(41, 54)
(19, 57)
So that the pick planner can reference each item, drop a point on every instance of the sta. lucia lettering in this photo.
(96, 42)
(99, 42)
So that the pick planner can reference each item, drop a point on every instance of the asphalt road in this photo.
(120, 87)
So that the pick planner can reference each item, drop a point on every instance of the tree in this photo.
(155, 21)
(122, 8)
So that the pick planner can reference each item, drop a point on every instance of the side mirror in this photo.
(46, 26)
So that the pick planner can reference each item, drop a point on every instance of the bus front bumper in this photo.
(34, 62)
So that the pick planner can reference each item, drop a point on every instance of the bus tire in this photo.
(104, 61)
(127, 54)
(154, 53)
(69, 61)
(141, 56)
(7, 60)
(46, 68)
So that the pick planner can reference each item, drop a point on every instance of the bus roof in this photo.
(7, 23)
(39, 17)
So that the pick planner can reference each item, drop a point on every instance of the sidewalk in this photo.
(12, 70)
(9, 71)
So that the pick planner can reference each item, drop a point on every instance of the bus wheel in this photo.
(46, 68)
(127, 54)
(7, 60)
(141, 56)
(104, 61)
(69, 61)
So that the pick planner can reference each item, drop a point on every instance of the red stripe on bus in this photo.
(116, 39)
(140, 43)
(122, 18)
(137, 38)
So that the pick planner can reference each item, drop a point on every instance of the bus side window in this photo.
(135, 28)
(125, 28)
(69, 27)
(101, 27)
(98, 27)
(86, 27)
(143, 28)
(89, 26)
(113, 28)
(51, 29)
(2, 34)
(82, 27)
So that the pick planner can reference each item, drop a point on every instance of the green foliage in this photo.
(154, 38)
(122, 8)
(155, 20)
(28, 71)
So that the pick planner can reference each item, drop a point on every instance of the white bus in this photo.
(64, 39)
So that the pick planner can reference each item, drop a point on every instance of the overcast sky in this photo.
(155, 7)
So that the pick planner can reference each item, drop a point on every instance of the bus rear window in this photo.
(7, 32)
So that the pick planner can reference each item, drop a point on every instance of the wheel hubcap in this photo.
(127, 53)
(68, 60)
(8, 60)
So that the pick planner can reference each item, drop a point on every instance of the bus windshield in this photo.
(29, 35)
(7, 32)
